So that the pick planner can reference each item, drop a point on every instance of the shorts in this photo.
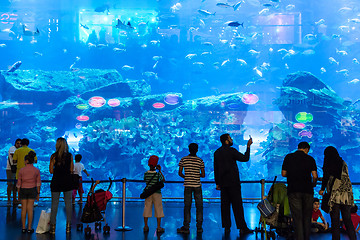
(28, 193)
(10, 175)
(156, 200)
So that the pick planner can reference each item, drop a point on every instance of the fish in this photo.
(355, 20)
(84, 26)
(345, 72)
(310, 37)
(258, 72)
(321, 21)
(202, 23)
(14, 66)
(122, 25)
(342, 52)
(333, 61)
(335, 36)
(200, 64)
(38, 54)
(354, 81)
(207, 43)
(206, 53)
(322, 70)
(290, 7)
(237, 5)
(223, 5)
(127, 68)
(253, 52)
(232, 46)
(27, 32)
(235, 24)
(155, 42)
(119, 50)
(150, 75)
(223, 41)
(265, 10)
(156, 58)
(225, 62)
(190, 55)
(102, 8)
(344, 9)
(282, 50)
(175, 7)
(344, 28)
(2, 45)
(308, 52)
(355, 61)
(101, 45)
(242, 62)
(155, 65)
(77, 59)
(267, 5)
(206, 13)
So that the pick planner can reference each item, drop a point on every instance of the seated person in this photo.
(318, 227)
(355, 218)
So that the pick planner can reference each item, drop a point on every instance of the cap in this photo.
(153, 160)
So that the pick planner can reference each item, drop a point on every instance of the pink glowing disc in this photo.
(82, 118)
(250, 98)
(113, 102)
(158, 105)
(97, 102)
(299, 125)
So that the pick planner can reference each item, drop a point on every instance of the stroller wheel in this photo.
(79, 227)
(98, 226)
(88, 230)
(106, 229)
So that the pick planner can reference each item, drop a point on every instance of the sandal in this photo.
(30, 230)
(23, 230)
(160, 230)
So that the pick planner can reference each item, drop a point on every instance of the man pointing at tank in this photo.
(228, 182)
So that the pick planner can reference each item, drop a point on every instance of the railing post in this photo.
(262, 181)
(123, 227)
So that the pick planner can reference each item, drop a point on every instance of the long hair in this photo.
(62, 148)
(333, 161)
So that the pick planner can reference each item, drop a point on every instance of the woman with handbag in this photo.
(61, 166)
(341, 194)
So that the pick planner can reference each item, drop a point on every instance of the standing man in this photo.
(11, 175)
(19, 156)
(194, 169)
(298, 168)
(228, 182)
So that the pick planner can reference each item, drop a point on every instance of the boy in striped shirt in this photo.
(194, 169)
(151, 177)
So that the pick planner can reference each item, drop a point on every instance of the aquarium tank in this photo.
(124, 80)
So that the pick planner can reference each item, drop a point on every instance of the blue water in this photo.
(168, 73)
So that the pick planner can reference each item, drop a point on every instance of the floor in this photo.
(173, 219)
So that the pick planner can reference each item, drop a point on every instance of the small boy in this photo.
(355, 218)
(194, 169)
(151, 177)
(78, 168)
(318, 227)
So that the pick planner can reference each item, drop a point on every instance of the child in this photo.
(355, 218)
(151, 177)
(316, 213)
(28, 186)
(78, 168)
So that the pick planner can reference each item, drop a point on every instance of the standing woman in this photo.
(61, 166)
(28, 185)
(341, 198)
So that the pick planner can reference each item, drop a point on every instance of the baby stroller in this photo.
(94, 209)
(279, 220)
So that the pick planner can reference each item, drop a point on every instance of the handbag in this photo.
(13, 167)
(75, 179)
(44, 221)
(326, 196)
(91, 212)
(148, 191)
(265, 208)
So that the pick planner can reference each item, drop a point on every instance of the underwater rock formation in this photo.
(314, 113)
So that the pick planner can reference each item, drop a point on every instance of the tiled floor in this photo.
(11, 227)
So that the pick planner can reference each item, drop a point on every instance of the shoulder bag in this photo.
(326, 196)
(148, 191)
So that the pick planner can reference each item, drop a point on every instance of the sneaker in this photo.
(146, 229)
(183, 230)
(160, 230)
